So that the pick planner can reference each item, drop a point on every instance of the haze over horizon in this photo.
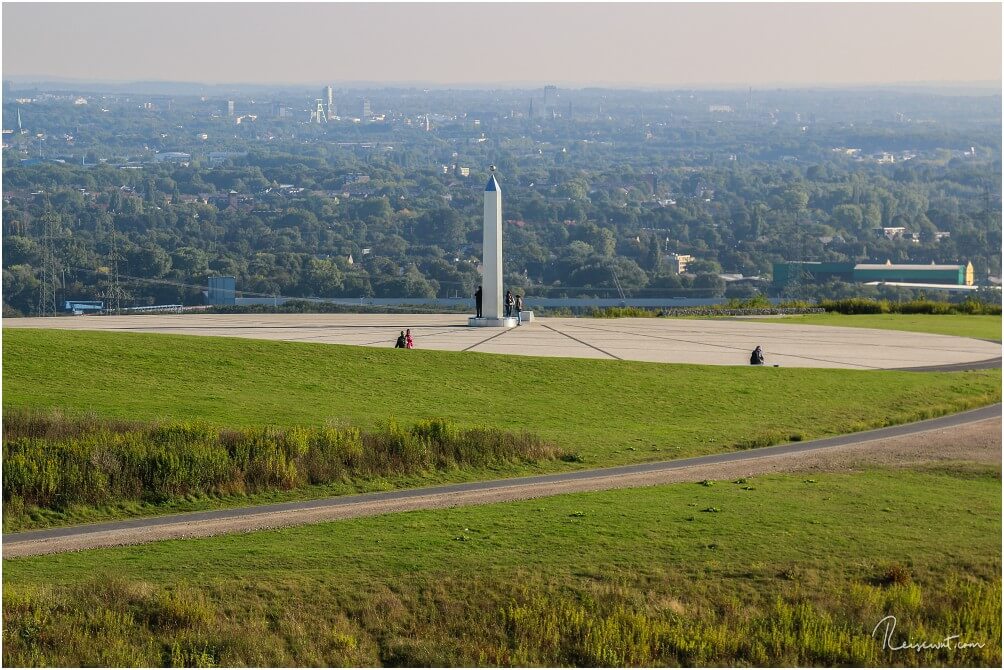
(512, 44)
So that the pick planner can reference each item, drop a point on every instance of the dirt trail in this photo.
(977, 441)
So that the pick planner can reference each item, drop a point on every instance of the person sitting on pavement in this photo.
(756, 358)
(401, 341)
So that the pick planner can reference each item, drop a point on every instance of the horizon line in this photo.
(511, 85)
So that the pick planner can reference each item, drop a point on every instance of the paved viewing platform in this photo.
(662, 340)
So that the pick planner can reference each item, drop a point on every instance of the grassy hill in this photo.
(781, 570)
(595, 413)
(611, 411)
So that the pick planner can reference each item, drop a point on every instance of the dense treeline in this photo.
(593, 207)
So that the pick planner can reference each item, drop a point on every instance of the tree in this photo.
(442, 227)
(872, 216)
(190, 262)
(374, 209)
(392, 246)
(18, 250)
(703, 266)
(321, 278)
(147, 261)
(300, 219)
(356, 285)
(574, 189)
(667, 280)
(601, 240)
(20, 287)
(795, 198)
(848, 217)
(713, 284)
(652, 254)
(411, 284)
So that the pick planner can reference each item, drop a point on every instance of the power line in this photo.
(537, 287)
(166, 282)
(48, 279)
(115, 293)
(991, 216)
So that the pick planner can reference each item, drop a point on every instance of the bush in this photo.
(856, 306)
(973, 305)
(749, 307)
(758, 301)
(895, 574)
(622, 312)
(970, 305)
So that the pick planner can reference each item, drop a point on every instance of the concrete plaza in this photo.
(705, 341)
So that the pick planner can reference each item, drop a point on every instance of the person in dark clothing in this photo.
(477, 301)
(519, 308)
(509, 302)
(402, 343)
(756, 358)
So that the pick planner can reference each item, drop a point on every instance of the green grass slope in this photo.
(982, 327)
(781, 570)
(610, 411)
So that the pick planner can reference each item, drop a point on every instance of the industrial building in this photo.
(947, 275)
(222, 291)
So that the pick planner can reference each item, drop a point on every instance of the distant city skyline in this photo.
(651, 45)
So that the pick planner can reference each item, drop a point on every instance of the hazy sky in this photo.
(650, 44)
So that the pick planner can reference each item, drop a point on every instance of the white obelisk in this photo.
(491, 282)
(491, 299)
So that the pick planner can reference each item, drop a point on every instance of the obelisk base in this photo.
(504, 322)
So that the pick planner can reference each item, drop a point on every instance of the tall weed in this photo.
(478, 621)
(53, 461)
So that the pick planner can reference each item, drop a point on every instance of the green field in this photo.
(982, 327)
(780, 570)
(600, 413)
(612, 412)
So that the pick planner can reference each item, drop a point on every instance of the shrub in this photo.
(923, 307)
(896, 574)
(758, 301)
(971, 305)
(856, 306)
(751, 307)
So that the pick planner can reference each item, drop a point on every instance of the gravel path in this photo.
(977, 438)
